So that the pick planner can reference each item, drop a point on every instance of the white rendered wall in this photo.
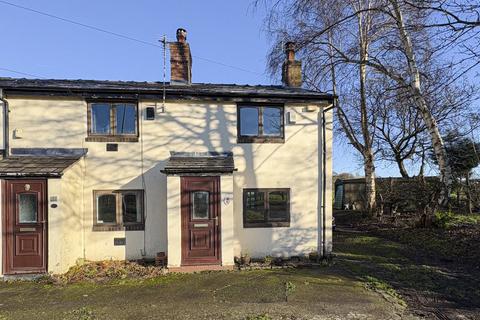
(192, 127)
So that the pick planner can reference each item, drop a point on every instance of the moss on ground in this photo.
(408, 271)
(370, 277)
(212, 295)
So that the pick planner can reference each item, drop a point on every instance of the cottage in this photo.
(100, 170)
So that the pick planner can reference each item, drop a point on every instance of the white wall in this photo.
(227, 217)
(329, 183)
(185, 126)
(174, 220)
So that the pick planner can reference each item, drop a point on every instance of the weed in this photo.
(378, 285)
(289, 289)
(83, 313)
(99, 271)
(259, 317)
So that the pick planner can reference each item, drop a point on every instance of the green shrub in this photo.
(442, 219)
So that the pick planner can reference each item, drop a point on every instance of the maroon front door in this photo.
(200, 201)
(25, 226)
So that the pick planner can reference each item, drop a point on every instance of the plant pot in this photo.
(246, 260)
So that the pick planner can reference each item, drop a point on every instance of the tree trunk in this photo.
(370, 188)
(421, 104)
(459, 191)
(401, 167)
(421, 172)
(368, 156)
(469, 194)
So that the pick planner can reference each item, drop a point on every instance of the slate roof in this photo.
(40, 162)
(64, 87)
(199, 163)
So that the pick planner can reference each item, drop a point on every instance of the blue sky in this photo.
(228, 32)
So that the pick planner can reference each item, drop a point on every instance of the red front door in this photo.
(25, 226)
(200, 200)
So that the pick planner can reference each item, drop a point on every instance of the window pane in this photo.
(131, 208)
(27, 207)
(255, 206)
(101, 118)
(200, 205)
(106, 208)
(278, 205)
(272, 121)
(126, 115)
(248, 121)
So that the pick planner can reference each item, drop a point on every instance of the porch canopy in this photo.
(39, 162)
(199, 163)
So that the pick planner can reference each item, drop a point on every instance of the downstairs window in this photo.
(118, 210)
(266, 208)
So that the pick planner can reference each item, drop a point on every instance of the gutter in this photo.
(28, 175)
(6, 144)
(176, 93)
(324, 176)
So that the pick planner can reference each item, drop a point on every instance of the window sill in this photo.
(111, 139)
(266, 224)
(260, 140)
(118, 227)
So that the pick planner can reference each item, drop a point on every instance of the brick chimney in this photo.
(180, 59)
(291, 69)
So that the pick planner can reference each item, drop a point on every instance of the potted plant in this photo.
(245, 259)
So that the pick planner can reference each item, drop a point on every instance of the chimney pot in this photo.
(290, 50)
(181, 35)
(291, 69)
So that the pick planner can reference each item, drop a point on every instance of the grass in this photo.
(449, 220)
(463, 219)
(410, 268)
(383, 287)
(370, 277)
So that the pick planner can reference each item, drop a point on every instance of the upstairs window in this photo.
(258, 124)
(112, 122)
(118, 210)
(266, 208)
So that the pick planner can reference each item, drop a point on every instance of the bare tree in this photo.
(400, 131)
(399, 37)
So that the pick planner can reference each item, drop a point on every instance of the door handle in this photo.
(216, 221)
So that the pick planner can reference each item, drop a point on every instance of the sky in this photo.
(227, 40)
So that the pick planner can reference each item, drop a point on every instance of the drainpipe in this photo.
(6, 144)
(324, 175)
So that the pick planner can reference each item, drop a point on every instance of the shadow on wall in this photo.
(288, 242)
(186, 127)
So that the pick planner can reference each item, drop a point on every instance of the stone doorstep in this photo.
(199, 268)
(22, 276)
